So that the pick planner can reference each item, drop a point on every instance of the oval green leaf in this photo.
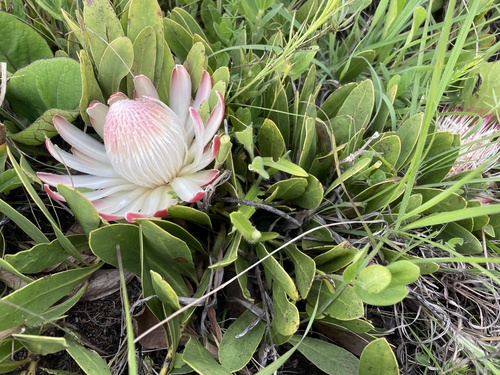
(20, 43)
(374, 278)
(116, 63)
(45, 84)
(378, 359)
(239, 342)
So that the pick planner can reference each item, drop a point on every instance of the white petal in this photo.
(203, 178)
(120, 202)
(196, 149)
(203, 90)
(71, 161)
(97, 113)
(86, 181)
(78, 139)
(187, 190)
(144, 87)
(214, 121)
(206, 158)
(116, 97)
(180, 92)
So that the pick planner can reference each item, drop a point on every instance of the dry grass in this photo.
(450, 323)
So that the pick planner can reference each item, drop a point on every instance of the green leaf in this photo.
(285, 165)
(167, 67)
(9, 181)
(103, 243)
(270, 140)
(380, 195)
(446, 217)
(23, 176)
(56, 312)
(486, 97)
(443, 149)
(346, 306)
(387, 297)
(28, 304)
(245, 227)
(288, 189)
(276, 99)
(352, 270)
(231, 251)
(403, 272)
(332, 104)
(41, 345)
(200, 359)
(88, 360)
(23, 223)
(116, 63)
(245, 137)
(10, 269)
(191, 214)
(239, 342)
(164, 291)
(195, 63)
(329, 358)
(20, 44)
(307, 147)
(313, 195)
(378, 359)
(44, 255)
(276, 273)
(144, 14)
(167, 255)
(359, 104)
(90, 87)
(359, 166)
(470, 245)
(394, 256)
(388, 149)
(356, 65)
(447, 203)
(101, 25)
(8, 367)
(178, 38)
(42, 127)
(301, 61)
(53, 7)
(342, 129)
(305, 269)
(177, 231)
(144, 52)
(408, 133)
(257, 166)
(336, 258)
(185, 19)
(374, 278)
(380, 122)
(286, 318)
(45, 84)
(84, 211)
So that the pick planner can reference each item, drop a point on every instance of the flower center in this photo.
(145, 141)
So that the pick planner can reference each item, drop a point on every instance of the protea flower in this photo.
(152, 155)
(477, 138)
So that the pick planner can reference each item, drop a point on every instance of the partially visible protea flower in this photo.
(153, 154)
(477, 136)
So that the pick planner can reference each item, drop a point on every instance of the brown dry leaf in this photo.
(11, 280)
(154, 340)
(103, 283)
(351, 341)
(9, 332)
